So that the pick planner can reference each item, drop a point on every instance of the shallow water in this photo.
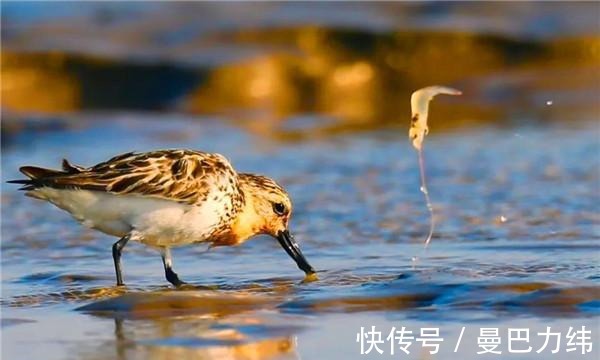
(516, 246)
(313, 96)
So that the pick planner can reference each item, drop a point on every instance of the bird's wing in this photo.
(183, 176)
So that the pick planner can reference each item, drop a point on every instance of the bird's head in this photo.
(267, 210)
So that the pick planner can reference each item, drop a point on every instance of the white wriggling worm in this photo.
(419, 102)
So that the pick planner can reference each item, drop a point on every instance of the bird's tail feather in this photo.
(36, 177)
(39, 176)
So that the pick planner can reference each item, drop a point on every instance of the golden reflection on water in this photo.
(38, 83)
(68, 295)
(194, 324)
(172, 303)
(262, 349)
(245, 349)
(355, 79)
(362, 79)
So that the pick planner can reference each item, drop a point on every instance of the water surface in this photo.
(516, 246)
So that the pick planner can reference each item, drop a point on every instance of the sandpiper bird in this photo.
(168, 198)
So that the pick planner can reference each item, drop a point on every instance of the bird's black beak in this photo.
(291, 247)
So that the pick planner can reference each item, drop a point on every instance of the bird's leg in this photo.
(116, 252)
(168, 263)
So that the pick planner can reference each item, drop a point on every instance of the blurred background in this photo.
(315, 95)
(294, 69)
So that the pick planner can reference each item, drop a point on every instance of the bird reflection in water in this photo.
(243, 327)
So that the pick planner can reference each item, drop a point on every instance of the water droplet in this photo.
(549, 102)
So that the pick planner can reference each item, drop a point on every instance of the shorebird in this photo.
(168, 198)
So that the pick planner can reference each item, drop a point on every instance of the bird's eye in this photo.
(279, 209)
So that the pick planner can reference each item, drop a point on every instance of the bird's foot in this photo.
(173, 278)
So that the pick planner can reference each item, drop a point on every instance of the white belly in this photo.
(153, 221)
